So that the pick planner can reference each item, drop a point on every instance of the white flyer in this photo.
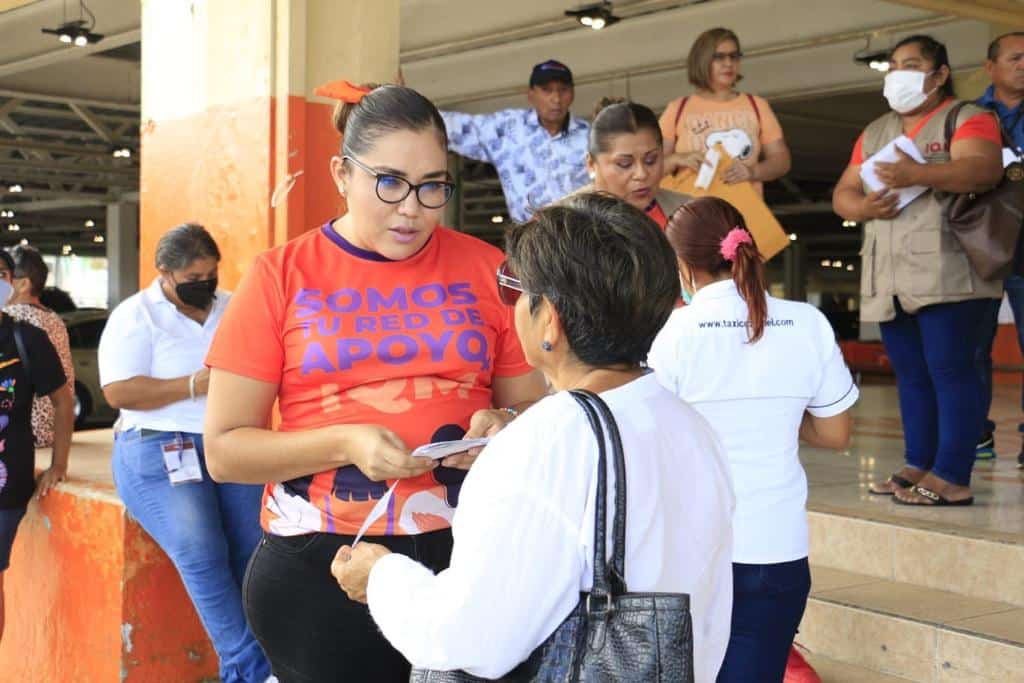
(442, 449)
(888, 155)
(376, 513)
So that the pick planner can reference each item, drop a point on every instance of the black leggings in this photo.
(309, 629)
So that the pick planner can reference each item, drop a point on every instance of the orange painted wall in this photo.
(217, 168)
(91, 598)
(213, 168)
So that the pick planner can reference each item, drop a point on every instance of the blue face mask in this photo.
(687, 296)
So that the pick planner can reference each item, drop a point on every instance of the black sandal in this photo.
(938, 500)
(902, 482)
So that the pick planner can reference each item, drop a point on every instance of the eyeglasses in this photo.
(722, 56)
(509, 286)
(393, 189)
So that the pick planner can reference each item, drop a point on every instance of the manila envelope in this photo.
(767, 232)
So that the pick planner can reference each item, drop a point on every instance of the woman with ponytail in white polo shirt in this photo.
(765, 373)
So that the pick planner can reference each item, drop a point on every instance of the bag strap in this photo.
(757, 111)
(19, 341)
(679, 114)
(950, 127)
(607, 581)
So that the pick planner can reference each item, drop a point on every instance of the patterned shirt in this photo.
(57, 331)
(535, 167)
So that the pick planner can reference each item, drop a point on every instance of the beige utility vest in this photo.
(914, 257)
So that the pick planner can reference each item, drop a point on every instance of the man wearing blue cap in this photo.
(540, 153)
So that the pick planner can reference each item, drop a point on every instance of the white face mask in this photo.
(904, 90)
(6, 290)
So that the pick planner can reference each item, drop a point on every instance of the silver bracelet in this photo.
(192, 386)
(512, 411)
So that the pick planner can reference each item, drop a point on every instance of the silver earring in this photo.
(546, 345)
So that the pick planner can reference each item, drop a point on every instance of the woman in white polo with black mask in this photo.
(765, 373)
(151, 368)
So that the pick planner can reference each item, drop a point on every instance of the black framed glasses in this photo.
(393, 189)
(509, 286)
(722, 56)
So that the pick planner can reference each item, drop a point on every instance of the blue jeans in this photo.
(933, 353)
(208, 530)
(768, 604)
(1015, 294)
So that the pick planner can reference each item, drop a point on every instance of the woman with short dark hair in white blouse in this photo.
(151, 368)
(765, 373)
(592, 282)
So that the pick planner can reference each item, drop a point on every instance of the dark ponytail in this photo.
(616, 116)
(385, 109)
(696, 232)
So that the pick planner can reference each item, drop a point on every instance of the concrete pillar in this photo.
(229, 121)
(794, 264)
(122, 252)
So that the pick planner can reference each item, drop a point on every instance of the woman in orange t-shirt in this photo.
(744, 124)
(376, 333)
(626, 158)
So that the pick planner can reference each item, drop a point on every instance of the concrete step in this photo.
(902, 630)
(926, 548)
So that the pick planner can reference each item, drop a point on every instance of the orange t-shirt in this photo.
(657, 214)
(353, 338)
(741, 128)
(982, 126)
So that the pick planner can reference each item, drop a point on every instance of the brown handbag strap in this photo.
(951, 117)
(757, 111)
(679, 113)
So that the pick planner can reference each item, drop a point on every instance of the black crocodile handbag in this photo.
(611, 634)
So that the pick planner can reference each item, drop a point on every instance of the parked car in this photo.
(85, 326)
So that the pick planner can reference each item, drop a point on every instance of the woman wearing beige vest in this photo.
(626, 159)
(916, 280)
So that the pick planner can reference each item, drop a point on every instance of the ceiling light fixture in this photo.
(497, 219)
(6, 214)
(77, 31)
(15, 188)
(90, 223)
(13, 227)
(792, 237)
(24, 242)
(877, 60)
(849, 224)
(122, 153)
(98, 239)
(66, 250)
(596, 15)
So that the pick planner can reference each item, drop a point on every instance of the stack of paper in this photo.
(888, 155)
(442, 449)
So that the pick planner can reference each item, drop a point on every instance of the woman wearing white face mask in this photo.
(916, 280)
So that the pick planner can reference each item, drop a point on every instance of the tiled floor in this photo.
(838, 482)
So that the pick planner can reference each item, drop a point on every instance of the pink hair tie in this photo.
(731, 242)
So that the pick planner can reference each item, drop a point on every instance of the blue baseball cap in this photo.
(548, 71)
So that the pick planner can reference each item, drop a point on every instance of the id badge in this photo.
(181, 461)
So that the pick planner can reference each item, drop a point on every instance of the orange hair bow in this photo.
(343, 90)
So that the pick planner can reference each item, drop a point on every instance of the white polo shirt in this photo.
(754, 396)
(146, 336)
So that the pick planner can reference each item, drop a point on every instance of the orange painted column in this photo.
(232, 136)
